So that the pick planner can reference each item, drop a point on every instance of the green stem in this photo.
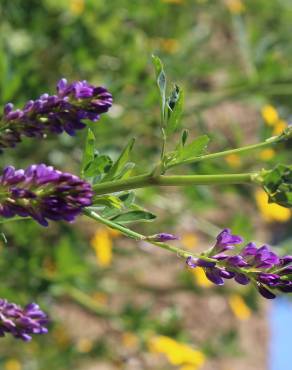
(86, 301)
(243, 149)
(186, 180)
(134, 235)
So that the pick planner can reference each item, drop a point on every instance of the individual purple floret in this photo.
(22, 322)
(162, 237)
(226, 241)
(54, 113)
(263, 267)
(43, 193)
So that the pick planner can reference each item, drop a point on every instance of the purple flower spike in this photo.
(55, 113)
(22, 322)
(226, 241)
(163, 237)
(43, 193)
(258, 265)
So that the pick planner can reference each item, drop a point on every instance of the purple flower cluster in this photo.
(22, 322)
(42, 193)
(261, 266)
(54, 113)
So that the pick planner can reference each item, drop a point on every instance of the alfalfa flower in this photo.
(43, 193)
(22, 322)
(65, 111)
(261, 266)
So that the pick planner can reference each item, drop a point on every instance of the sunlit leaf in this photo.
(99, 165)
(134, 216)
(118, 166)
(161, 81)
(88, 154)
(175, 108)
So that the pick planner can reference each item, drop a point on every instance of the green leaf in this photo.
(184, 137)
(161, 81)
(99, 165)
(88, 154)
(196, 148)
(109, 201)
(134, 216)
(120, 163)
(127, 198)
(125, 171)
(175, 108)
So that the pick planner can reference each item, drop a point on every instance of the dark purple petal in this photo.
(268, 279)
(213, 274)
(266, 292)
(192, 262)
(227, 274)
(203, 263)
(236, 261)
(264, 258)
(285, 260)
(241, 278)
(286, 271)
(249, 250)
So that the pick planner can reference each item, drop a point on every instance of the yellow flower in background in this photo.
(188, 367)
(84, 345)
(270, 115)
(170, 46)
(76, 6)
(130, 340)
(239, 307)
(200, 277)
(61, 336)
(233, 160)
(102, 245)
(279, 127)
(267, 154)
(235, 6)
(270, 211)
(114, 233)
(49, 267)
(100, 298)
(189, 240)
(12, 364)
(177, 353)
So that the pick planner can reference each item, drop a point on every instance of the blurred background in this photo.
(116, 304)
